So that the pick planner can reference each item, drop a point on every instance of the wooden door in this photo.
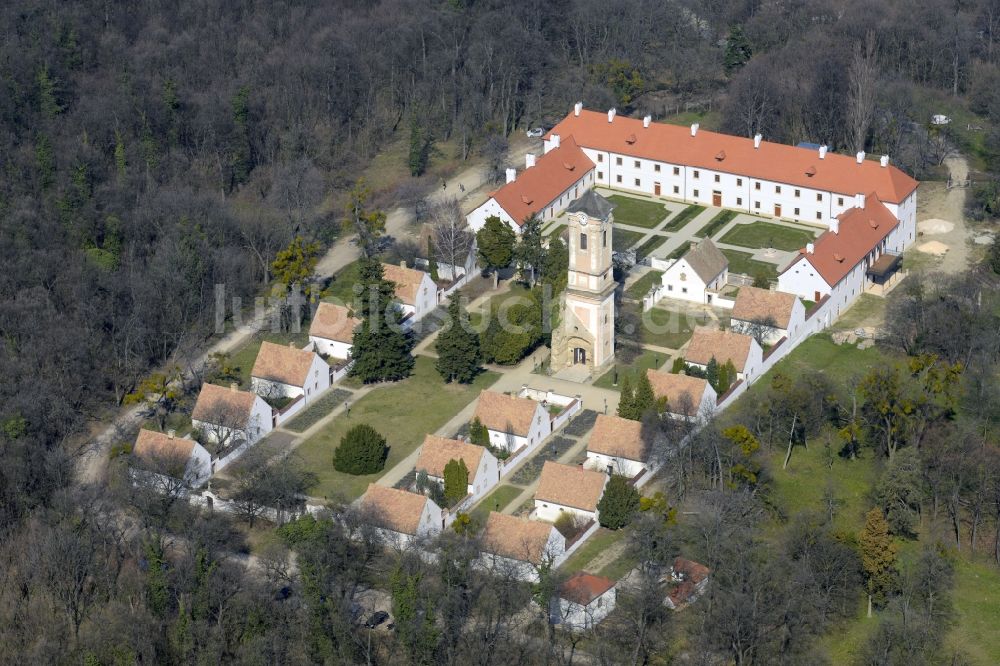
(816, 297)
(656, 189)
(717, 199)
(777, 210)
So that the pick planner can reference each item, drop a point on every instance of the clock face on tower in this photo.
(583, 221)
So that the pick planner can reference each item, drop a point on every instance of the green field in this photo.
(341, 289)
(403, 412)
(679, 251)
(644, 361)
(495, 501)
(683, 217)
(318, 409)
(623, 239)
(762, 234)
(601, 540)
(637, 212)
(649, 247)
(743, 262)
(642, 285)
(720, 220)
(671, 328)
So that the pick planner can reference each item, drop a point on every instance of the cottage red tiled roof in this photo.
(674, 387)
(397, 510)
(283, 364)
(723, 345)
(499, 411)
(333, 322)
(516, 538)
(860, 231)
(436, 452)
(582, 587)
(753, 303)
(407, 281)
(223, 406)
(569, 485)
(673, 144)
(152, 446)
(615, 436)
(536, 187)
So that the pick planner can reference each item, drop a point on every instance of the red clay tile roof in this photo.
(692, 570)
(582, 587)
(537, 187)
(674, 386)
(569, 485)
(615, 436)
(150, 445)
(755, 303)
(516, 538)
(723, 345)
(218, 402)
(397, 510)
(776, 162)
(407, 281)
(284, 364)
(437, 452)
(333, 322)
(499, 411)
(861, 229)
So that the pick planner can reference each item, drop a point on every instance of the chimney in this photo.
(860, 156)
(756, 140)
(822, 152)
(234, 387)
(835, 225)
(884, 161)
(529, 160)
(646, 120)
(512, 175)
(554, 140)
(171, 434)
(859, 200)
(810, 248)
(577, 108)
(611, 114)
(694, 129)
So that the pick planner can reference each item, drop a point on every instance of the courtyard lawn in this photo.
(623, 239)
(642, 362)
(642, 285)
(671, 328)
(341, 289)
(762, 234)
(679, 251)
(743, 262)
(716, 223)
(683, 217)
(637, 212)
(600, 541)
(518, 293)
(318, 409)
(649, 247)
(495, 501)
(403, 412)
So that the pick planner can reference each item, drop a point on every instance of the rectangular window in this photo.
(739, 201)
(677, 171)
(600, 157)
(696, 194)
(840, 201)
(600, 175)
(677, 190)
(796, 211)
(739, 182)
(797, 193)
(819, 197)
(618, 178)
(696, 173)
(638, 164)
(604, 238)
(717, 178)
(583, 241)
(637, 182)
(777, 189)
(756, 185)
(670, 287)
(819, 216)
(756, 204)
(618, 161)
(684, 290)
(656, 168)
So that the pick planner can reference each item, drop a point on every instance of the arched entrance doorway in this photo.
(579, 356)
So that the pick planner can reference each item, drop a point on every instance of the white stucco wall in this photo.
(333, 348)
(617, 464)
(692, 287)
(490, 208)
(577, 617)
(550, 511)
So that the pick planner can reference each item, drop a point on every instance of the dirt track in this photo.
(934, 200)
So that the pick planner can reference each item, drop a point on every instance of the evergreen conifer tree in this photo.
(712, 373)
(458, 347)
(618, 504)
(878, 558)
(380, 347)
(456, 481)
(644, 398)
(626, 403)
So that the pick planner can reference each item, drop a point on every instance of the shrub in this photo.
(619, 503)
(456, 481)
(568, 525)
(362, 451)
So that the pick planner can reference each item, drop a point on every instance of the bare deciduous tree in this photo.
(863, 85)
(450, 235)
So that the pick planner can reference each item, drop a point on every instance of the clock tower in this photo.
(586, 334)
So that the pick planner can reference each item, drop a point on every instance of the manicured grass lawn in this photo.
(716, 223)
(518, 293)
(743, 262)
(244, 357)
(623, 239)
(768, 234)
(403, 412)
(679, 251)
(649, 246)
(500, 497)
(602, 539)
(670, 328)
(637, 212)
(341, 289)
(642, 285)
(683, 217)
(865, 310)
(644, 361)
(317, 410)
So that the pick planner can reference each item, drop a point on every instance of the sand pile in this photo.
(935, 226)
(933, 247)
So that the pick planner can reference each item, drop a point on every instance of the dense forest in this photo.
(151, 151)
